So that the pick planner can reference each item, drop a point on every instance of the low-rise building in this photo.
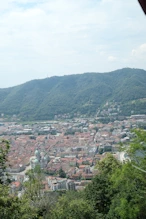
(56, 183)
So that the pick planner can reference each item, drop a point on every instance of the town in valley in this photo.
(65, 149)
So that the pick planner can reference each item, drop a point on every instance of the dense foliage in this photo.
(11, 207)
(82, 93)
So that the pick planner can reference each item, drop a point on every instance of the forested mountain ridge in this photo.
(83, 93)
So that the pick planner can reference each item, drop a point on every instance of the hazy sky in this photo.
(42, 38)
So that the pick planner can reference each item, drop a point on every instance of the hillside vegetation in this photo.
(82, 93)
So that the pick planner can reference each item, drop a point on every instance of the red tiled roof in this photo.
(16, 184)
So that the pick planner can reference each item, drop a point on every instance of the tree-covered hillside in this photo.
(82, 93)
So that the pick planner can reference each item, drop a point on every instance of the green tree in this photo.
(62, 173)
(41, 201)
(108, 165)
(33, 186)
(73, 206)
(129, 199)
(100, 191)
(137, 148)
(4, 149)
(129, 182)
(11, 207)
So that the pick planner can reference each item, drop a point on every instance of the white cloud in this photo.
(47, 37)
(112, 58)
(140, 52)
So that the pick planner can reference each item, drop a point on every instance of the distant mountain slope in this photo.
(83, 93)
